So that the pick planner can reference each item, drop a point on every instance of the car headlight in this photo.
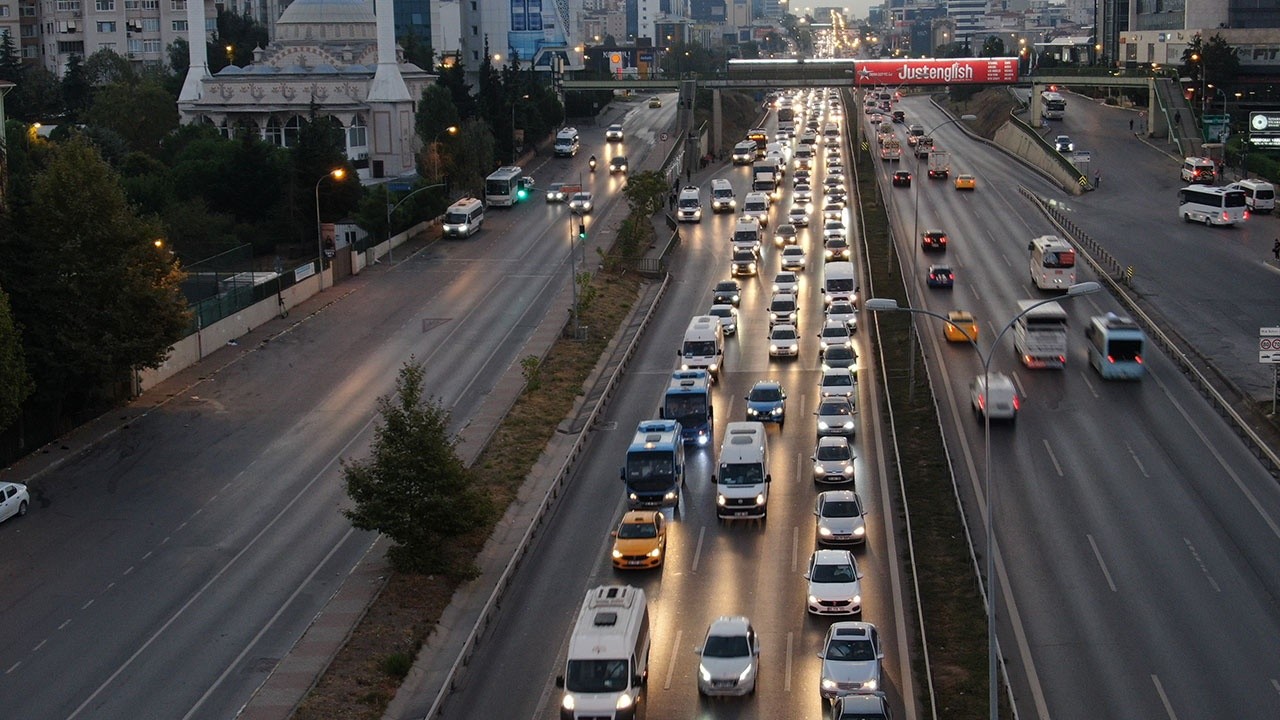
(736, 298)
(773, 347)
(704, 673)
(624, 701)
(848, 469)
(720, 500)
(775, 289)
(777, 411)
(849, 426)
(870, 684)
(818, 469)
(656, 552)
(857, 599)
(712, 367)
(684, 366)
(828, 684)
(746, 673)
(860, 531)
(813, 600)
(822, 425)
(824, 531)
(751, 266)
(617, 554)
(567, 703)
(752, 412)
(702, 439)
(760, 499)
(633, 497)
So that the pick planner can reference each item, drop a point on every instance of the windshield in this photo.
(837, 352)
(687, 203)
(782, 306)
(757, 206)
(699, 348)
(765, 394)
(497, 187)
(1060, 259)
(455, 218)
(783, 334)
(833, 453)
(645, 465)
(688, 409)
(641, 530)
(851, 650)
(745, 236)
(841, 509)
(721, 646)
(722, 193)
(596, 676)
(741, 474)
(833, 574)
(832, 408)
(840, 380)
(840, 308)
(839, 284)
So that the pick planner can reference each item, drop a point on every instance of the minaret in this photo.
(390, 105)
(197, 53)
(387, 85)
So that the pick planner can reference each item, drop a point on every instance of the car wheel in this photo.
(22, 508)
(1186, 217)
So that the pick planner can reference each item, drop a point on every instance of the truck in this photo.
(890, 149)
(654, 468)
(939, 164)
(1040, 334)
(786, 119)
(688, 401)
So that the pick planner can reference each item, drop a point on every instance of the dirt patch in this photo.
(992, 108)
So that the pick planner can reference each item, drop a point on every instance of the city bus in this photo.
(760, 137)
(1212, 205)
(1115, 347)
(1052, 105)
(502, 187)
(688, 401)
(1053, 263)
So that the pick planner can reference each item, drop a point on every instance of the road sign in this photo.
(1264, 128)
(1217, 128)
(663, 137)
(1269, 345)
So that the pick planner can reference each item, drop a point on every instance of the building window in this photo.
(151, 46)
(357, 134)
(291, 130)
(135, 46)
(27, 10)
(107, 46)
(107, 27)
(4, 12)
(106, 5)
(150, 4)
(66, 48)
(180, 26)
(67, 5)
(274, 133)
(151, 25)
(475, 30)
(180, 5)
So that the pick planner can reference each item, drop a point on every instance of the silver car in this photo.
(793, 258)
(581, 203)
(838, 382)
(836, 416)
(798, 216)
(614, 133)
(840, 516)
(728, 315)
(728, 657)
(843, 312)
(784, 341)
(851, 658)
(834, 587)
(833, 461)
(14, 500)
(839, 357)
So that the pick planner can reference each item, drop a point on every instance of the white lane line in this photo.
(1136, 461)
(974, 290)
(40, 645)
(144, 557)
(1276, 684)
(1017, 380)
(13, 667)
(786, 680)
(1052, 457)
(795, 547)
(671, 666)
(1164, 699)
(1084, 375)
(165, 540)
(109, 586)
(127, 572)
(1005, 258)
(1101, 563)
(182, 525)
(65, 623)
(86, 605)
(1203, 568)
(697, 551)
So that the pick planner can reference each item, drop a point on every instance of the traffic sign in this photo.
(1264, 128)
(663, 137)
(1269, 345)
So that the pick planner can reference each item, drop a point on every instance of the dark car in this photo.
(767, 402)
(861, 707)
(902, 178)
(899, 116)
(940, 276)
(727, 292)
(933, 240)
(618, 164)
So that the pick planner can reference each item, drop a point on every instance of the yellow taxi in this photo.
(961, 327)
(965, 181)
(655, 102)
(640, 542)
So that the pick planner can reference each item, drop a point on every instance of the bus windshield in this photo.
(1059, 259)
(687, 409)
(650, 465)
(497, 187)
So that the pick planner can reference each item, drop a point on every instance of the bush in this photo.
(397, 665)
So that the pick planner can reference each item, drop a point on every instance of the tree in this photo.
(1212, 60)
(992, 47)
(413, 488)
(106, 67)
(645, 192)
(418, 51)
(15, 383)
(77, 91)
(472, 157)
(453, 77)
(436, 112)
(37, 98)
(235, 40)
(320, 150)
(142, 113)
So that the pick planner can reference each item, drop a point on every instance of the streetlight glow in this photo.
(336, 174)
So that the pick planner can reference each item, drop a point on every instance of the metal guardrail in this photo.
(1172, 346)
(1104, 263)
(548, 500)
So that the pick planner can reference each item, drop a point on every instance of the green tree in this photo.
(992, 47)
(470, 156)
(320, 150)
(15, 383)
(106, 67)
(37, 98)
(77, 91)
(1212, 60)
(646, 192)
(242, 34)
(436, 111)
(143, 114)
(413, 488)
(453, 78)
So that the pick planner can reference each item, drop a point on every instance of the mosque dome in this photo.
(327, 12)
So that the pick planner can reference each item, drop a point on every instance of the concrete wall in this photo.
(1036, 152)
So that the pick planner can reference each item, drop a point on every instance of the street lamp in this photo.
(1198, 58)
(891, 305)
(336, 174)
(392, 208)
(451, 130)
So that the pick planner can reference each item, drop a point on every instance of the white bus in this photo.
(1212, 205)
(608, 660)
(1053, 263)
(1115, 347)
(501, 187)
(1052, 105)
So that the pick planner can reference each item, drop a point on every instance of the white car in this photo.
(844, 312)
(581, 203)
(836, 416)
(838, 381)
(833, 209)
(784, 341)
(783, 309)
(614, 133)
(835, 248)
(833, 230)
(786, 282)
(833, 583)
(802, 195)
(728, 657)
(839, 357)
(793, 258)
(834, 332)
(1000, 402)
(798, 215)
(832, 463)
(851, 658)
(14, 500)
(841, 518)
(728, 315)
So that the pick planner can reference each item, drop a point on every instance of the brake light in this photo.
(1137, 359)
(1017, 404)
(982, 401)
(1246, 214)
(1225, 216)
(1062, 359)
(1111, 360)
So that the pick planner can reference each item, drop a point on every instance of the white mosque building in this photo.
(340, 56)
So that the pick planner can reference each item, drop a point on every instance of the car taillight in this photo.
(1111, 360)
(1016, 402)
(1137, 359)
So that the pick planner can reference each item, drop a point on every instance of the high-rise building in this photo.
(967, 16)
(139, 30)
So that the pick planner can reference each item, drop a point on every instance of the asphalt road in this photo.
(1136, 535)
(711, 568)
(175, 563)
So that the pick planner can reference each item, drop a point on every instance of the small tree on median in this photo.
(413, 488)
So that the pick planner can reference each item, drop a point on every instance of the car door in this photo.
(8, 502)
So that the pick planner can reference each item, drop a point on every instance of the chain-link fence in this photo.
(223, 285)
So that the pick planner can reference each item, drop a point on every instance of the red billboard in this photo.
(944, 71)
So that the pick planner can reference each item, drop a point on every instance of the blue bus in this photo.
(1116, 345)
(688, 400)
(654, 471)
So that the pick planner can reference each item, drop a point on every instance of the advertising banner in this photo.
(944, 71)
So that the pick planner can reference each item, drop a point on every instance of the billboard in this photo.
(944, 71)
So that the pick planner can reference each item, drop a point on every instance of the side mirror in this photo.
(560, 679)
(697, 650)
(622, 473)
(806, 577)
(713, 478)
(637, 680)
(613, 533)
(818, 654)
(768, 478)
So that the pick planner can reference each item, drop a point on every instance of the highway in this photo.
(1137, 572)
(177, 561)
(711, 569)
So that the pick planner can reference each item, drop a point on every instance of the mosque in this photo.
(338, 55)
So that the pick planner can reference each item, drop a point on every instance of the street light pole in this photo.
(336, 174)
(891, 305)
(451, 130)
(392, 208)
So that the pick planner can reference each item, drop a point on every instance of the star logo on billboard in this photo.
(864, 73)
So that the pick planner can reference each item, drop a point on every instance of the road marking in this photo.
(165, 540)
(86, 605)
(795, 546)
(1203, 568)
(127, 572)
(13, 667)
(1136, 461)
(144, 557)
(786, 680)
(1101, 563)
(697, 551)
(109, 586)
(1085, 376)
(974, 291)
(1049, 450)
(1017, 380)
(1164, 698)
(40, 645)
(65, 623)
(671, 666)
(182, 525)
(1005, 258)
(1275, 684)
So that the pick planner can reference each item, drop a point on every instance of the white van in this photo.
(756, 205)
(742, 478)
(463, 218)
(1199, 170)
(744, 153)
(722, 197)
(689, 205)
(746, 234)
(608, 663)
(999, 401)
(567, 142)
(703, 345)
(1259, 195)
(839, 284)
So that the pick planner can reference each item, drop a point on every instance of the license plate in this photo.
(740, 513)
(722, 683)
(635, 562)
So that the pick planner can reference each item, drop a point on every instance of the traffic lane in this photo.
(1219, 301)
